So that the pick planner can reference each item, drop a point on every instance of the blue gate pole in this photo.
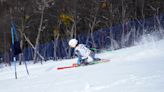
(14, 58)
(26, 67)
(17, 39)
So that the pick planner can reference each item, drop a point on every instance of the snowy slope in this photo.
(135, 69)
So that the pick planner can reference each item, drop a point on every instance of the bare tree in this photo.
(157, 18)
(24, 10)
(124, 10)
(55, 46)
(93, 22)
(42, 5)
(113, 43)
(71, 15)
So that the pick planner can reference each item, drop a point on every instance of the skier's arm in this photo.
(77, 53)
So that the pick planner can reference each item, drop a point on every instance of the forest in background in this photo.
(97, 23)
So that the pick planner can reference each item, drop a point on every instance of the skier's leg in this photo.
(84, 61)
(92, 55)
(79, 60)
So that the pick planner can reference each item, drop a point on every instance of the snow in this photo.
(135, 69)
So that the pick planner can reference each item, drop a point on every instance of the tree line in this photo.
(41, 21)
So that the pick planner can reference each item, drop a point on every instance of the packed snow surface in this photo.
(136, 69)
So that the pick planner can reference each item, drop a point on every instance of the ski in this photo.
(65, 67)
(74, 65)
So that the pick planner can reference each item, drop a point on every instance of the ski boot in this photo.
(96, 59)
(84, 62)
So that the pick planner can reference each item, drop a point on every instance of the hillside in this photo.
(135, 69)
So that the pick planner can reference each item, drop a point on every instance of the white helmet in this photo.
(73, 43)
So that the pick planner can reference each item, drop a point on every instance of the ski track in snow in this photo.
(133, 80)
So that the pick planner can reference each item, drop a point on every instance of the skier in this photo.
(85, 55)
